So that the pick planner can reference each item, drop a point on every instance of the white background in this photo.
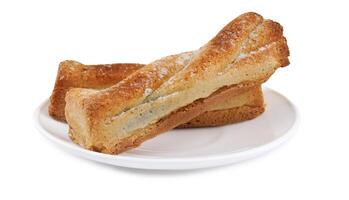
(36, 35)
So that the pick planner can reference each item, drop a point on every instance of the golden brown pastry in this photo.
(175, 89)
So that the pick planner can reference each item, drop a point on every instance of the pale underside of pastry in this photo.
(175, 89)
(72, 74)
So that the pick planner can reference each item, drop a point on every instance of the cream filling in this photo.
(236, 101)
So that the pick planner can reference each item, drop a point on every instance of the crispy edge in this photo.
(73, 74)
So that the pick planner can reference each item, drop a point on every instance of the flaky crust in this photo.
(242, 56)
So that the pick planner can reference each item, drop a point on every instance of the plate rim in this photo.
(228, 158)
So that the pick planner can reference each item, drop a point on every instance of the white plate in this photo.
(192, 148)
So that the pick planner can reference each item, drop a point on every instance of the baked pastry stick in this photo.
(175, 89)
(72, 74)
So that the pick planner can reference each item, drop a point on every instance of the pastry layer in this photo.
(176, 89)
